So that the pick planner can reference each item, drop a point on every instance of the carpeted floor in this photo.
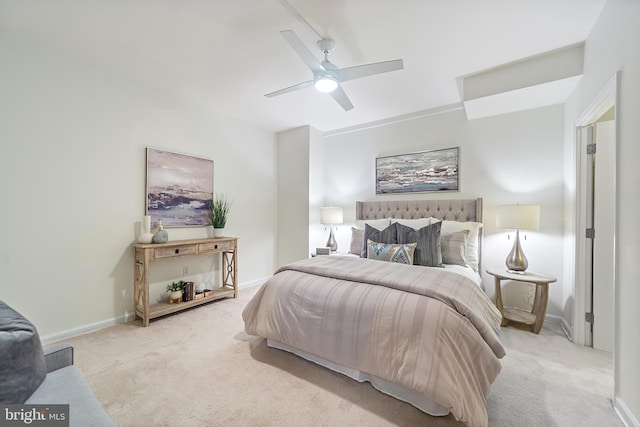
(199, 368)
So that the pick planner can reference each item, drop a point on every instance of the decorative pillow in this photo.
(428, 252)
(388, 235)
(22, 364)
(357, 239)
(453, 247)
(402, 254)
(472, 251)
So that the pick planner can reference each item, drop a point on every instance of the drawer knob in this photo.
(177, 251)
(216, 246)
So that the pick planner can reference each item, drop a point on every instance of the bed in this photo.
(426, 334)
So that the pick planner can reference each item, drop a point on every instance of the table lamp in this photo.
(518, 217)
(331, 216)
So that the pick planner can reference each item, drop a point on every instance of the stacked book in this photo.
(189, 291)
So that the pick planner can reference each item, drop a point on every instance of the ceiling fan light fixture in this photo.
(326, 84)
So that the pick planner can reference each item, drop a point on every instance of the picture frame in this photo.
(179, 189)
(425, 171)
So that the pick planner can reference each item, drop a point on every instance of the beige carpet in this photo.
(199, 368)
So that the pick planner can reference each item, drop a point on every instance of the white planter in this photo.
(218, 232)
(175, 295)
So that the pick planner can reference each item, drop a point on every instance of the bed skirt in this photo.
(398, 391)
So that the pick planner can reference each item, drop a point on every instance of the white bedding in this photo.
(466, 271)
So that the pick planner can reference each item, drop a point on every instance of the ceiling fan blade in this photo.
(290, 89)
(341, 98)
(302, 51)
(350, 73)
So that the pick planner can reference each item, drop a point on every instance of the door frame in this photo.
(607, 97)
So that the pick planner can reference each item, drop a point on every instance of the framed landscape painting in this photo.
(425, 171)
(179, 189)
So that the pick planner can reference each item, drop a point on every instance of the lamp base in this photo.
(331, 243)
(516, 261)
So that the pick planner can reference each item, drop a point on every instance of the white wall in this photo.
(614, 44)
(511, 158)
(293, 194)
(72, 180)
(317, 196)
(301, 192)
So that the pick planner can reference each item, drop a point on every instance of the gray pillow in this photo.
(388, 235)
(357, 241)
(22, 364)
(453, 247)
(428, 251)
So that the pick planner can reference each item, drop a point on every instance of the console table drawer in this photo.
(159, 253)
(217, 246)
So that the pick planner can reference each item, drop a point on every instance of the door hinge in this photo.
(591, 148)
(588, 317)
(590, 233)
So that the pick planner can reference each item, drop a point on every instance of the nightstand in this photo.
(534, 318)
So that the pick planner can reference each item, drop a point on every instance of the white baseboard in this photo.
(85, 329)
(625, 414)
(568, 330)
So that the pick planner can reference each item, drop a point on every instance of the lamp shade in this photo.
(520, 217)
(331, 215)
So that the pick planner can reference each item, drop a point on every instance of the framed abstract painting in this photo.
(179, 188)
(425, 171)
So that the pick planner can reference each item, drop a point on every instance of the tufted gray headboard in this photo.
(451, 210)
(461, 210)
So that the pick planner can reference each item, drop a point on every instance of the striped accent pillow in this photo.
(388, 235)
(428, 252)
(402, 254)
(453, 247)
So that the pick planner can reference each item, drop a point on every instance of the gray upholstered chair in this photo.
(30, 374)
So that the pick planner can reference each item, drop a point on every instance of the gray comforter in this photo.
(428, 329)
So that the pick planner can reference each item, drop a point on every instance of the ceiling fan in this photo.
(326, 76)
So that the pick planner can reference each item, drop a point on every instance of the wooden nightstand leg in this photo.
(540, 306)
(499, 301)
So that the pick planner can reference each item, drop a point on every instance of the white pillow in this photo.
(378, 224)
(472, 247)
(416, 224)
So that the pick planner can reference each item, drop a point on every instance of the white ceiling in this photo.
(223, 56)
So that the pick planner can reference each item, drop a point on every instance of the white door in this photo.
(603, 242)
(586, 180)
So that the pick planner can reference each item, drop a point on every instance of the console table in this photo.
(532, 319)
(145, 253)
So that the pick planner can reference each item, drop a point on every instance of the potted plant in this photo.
(218, 213)
(175, 291)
